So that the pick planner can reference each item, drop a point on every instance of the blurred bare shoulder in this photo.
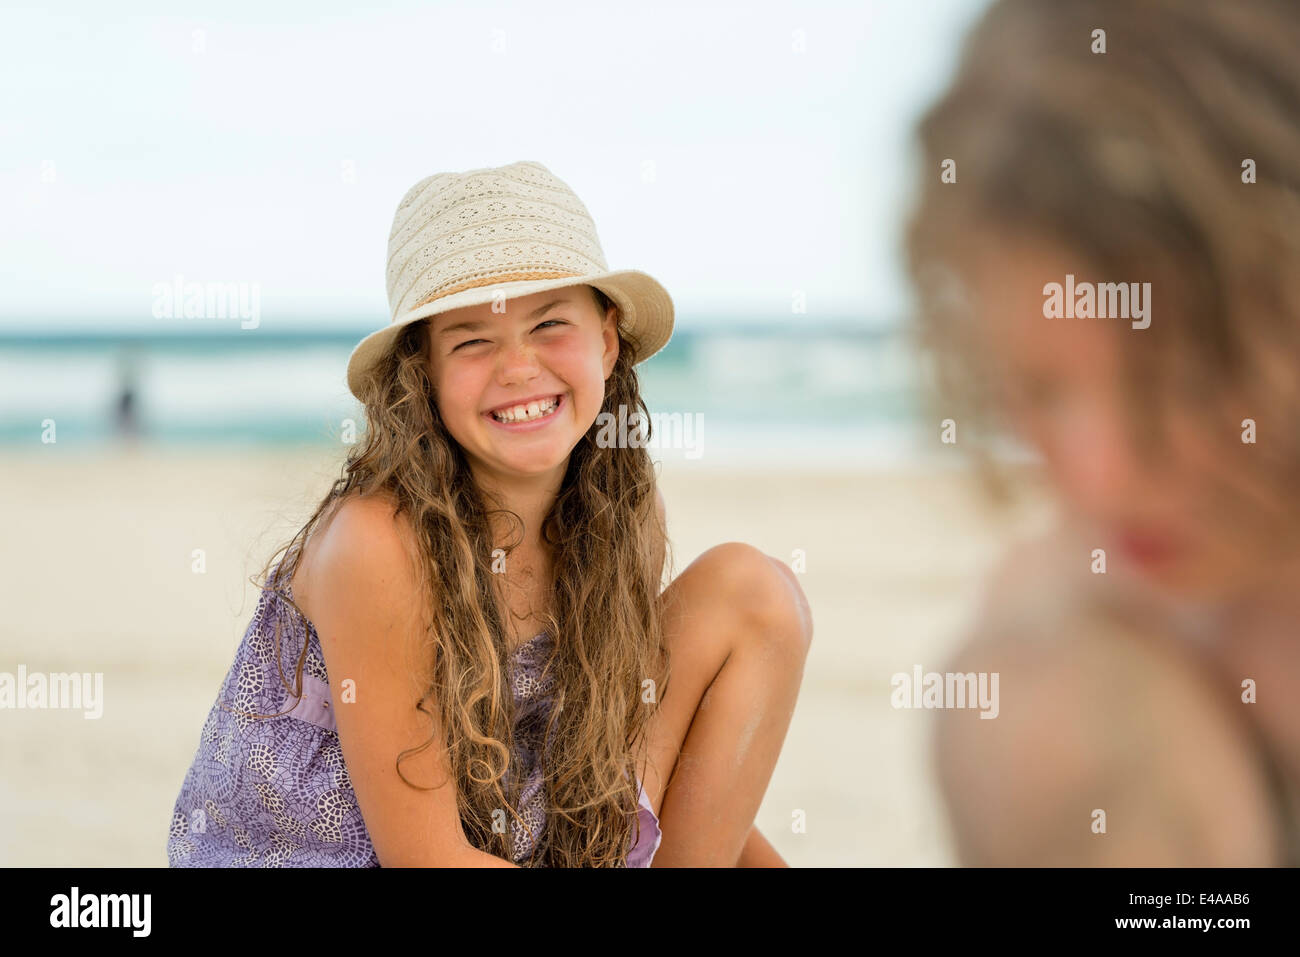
(1050, 590)
(1035, 581)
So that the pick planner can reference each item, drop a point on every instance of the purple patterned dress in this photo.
(275, 792)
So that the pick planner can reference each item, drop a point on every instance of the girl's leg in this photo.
(759, 852)
(738, 629)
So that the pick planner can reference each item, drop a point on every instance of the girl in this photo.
(463, 657)
(1151, 636)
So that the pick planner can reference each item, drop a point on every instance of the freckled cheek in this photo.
(580, 369)
(458, 397)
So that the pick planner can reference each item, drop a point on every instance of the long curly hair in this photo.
(610, 554)
(1134, 158)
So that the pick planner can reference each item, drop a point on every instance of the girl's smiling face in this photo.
(518, 389)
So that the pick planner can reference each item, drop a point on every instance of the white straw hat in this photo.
(462, 239)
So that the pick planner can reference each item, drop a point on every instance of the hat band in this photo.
(493, 280)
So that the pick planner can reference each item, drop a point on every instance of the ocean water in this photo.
(829, 394)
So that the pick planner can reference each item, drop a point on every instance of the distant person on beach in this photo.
(1144, 155)
(126, 416)
(463, 658)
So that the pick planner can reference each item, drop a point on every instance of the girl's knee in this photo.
(794, 614)
(762, 590)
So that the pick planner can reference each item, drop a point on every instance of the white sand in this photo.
(97, 578)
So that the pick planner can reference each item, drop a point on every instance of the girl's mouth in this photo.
(526, 415)
(1149, 548)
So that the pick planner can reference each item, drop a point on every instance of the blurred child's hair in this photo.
(1135, 159)
(610, 546)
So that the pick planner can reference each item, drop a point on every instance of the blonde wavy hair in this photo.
(609, 550)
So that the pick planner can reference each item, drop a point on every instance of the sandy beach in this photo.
(97, 577)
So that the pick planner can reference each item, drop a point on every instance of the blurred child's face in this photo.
(518, 389)
(1061, 385)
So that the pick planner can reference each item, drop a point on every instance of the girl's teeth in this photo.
(526, 413)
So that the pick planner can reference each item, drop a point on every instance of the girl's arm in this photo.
(757, 852)
(364, 600)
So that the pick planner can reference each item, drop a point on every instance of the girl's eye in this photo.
(542, 325)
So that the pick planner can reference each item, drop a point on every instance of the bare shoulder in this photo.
(1035, 566)
(1047, 594)
(1032, 587)
(361, 554)
(367, 602)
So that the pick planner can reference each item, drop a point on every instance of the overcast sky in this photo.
(738, 153)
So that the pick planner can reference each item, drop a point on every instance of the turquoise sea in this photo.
(830, 392)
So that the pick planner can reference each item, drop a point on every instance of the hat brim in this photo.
(646, 314)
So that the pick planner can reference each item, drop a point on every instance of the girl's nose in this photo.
(518, 362)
